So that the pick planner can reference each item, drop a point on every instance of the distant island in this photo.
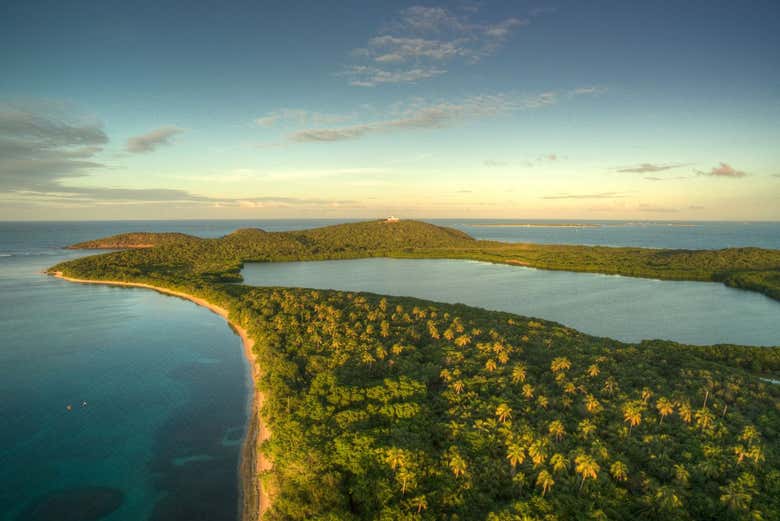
(398, 408)
(537, 225)
(579, 225)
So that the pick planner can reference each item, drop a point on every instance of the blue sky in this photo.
(602, 110)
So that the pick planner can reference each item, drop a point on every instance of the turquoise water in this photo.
(166, 384)
(624, 308)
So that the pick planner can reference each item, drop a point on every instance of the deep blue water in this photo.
(165, 381)
(644, 234)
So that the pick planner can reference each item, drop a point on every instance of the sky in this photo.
(491, 109)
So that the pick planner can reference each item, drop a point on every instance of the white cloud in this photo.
(365, 76)
(646, 168)
(723, 170)
(299, 117)
(152, 140)
(416, 45)
(418, 116)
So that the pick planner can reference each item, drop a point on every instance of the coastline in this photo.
(254, 499)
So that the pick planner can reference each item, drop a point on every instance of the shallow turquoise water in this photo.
(165, 386)
(623, 308)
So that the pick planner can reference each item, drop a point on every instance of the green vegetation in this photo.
(752, 269)
(400, 409)
(134, 240)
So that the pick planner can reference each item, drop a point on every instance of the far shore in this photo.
(254, 499)
(536, 225)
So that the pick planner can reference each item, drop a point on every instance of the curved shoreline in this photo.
(254, 500)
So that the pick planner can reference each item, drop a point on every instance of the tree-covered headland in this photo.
(399, 409)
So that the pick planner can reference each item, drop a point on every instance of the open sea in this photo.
(158, 387)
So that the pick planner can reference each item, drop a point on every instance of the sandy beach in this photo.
(254, 499)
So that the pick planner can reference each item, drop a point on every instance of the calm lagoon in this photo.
(624, 308)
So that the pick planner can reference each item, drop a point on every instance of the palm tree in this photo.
(518, 373)
(685, 411)
(458, 386)
(667, 498)
(592, 404)
(610, 386)
(545, 480)
(704, 418)
(681, 474)
(665, 408)
(560, 364)
(406, 478)
(587, 428)
(556, 429)
(542, 401)
(515, 454)
(490, 365)
(421, 503)
(619, 471)
(593, 371)
(457, 465)
(504, 413)
(735, 497)
(586, 467)
(756, 454)
(559, 463)
(632, 414)
(749, 434)
(528, 391)
(646, 394)
(742, 452)
(395, 458)
(462, 340)
(537, 451)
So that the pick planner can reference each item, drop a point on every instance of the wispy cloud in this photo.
(491, 163)
(152, 140)
(656, 209)
(300, 117)
(723, 170)
(367, 76)
(44, 147)
(677, 178)
(646, 168)
(600, 195)
(39, 145)
(414, 46)
(418, 115)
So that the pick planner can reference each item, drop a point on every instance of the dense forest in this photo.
(396, 408)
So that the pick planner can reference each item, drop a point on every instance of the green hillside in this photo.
(134, 240)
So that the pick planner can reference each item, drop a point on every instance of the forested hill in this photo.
(753, 269)
(134, 240)
(353, 237)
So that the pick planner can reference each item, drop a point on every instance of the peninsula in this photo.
(399, 408)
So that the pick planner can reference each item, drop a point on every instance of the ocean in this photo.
(158, 387)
